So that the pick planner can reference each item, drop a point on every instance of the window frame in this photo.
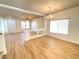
(25, 25)
(58, 26)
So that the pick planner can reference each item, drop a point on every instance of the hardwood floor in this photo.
(40, 48)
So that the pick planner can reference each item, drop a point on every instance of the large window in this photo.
(59, 26)
(25, 24)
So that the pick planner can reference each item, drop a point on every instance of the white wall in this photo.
(2, 44)
(73, 34)
(38, 23)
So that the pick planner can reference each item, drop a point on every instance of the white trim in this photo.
(33, 37)
(49, 34)
(3, 49)
(19, 9)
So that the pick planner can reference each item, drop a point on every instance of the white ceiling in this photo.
(39, 6)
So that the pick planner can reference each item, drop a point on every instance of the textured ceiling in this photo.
(39, 6)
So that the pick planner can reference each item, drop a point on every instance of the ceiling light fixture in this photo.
(50, 14)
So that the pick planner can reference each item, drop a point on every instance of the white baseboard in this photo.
(63, 39)
(12, 32)
(2, 54)
(33, 37)
(3, 45)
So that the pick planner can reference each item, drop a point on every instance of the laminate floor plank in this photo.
(44, 47)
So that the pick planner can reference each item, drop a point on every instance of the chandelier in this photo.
(50, 14)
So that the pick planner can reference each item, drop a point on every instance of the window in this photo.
(0, 26)
(3, 25)
(59, 26)
(53, 26)
(25, 24)
(34, 25)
